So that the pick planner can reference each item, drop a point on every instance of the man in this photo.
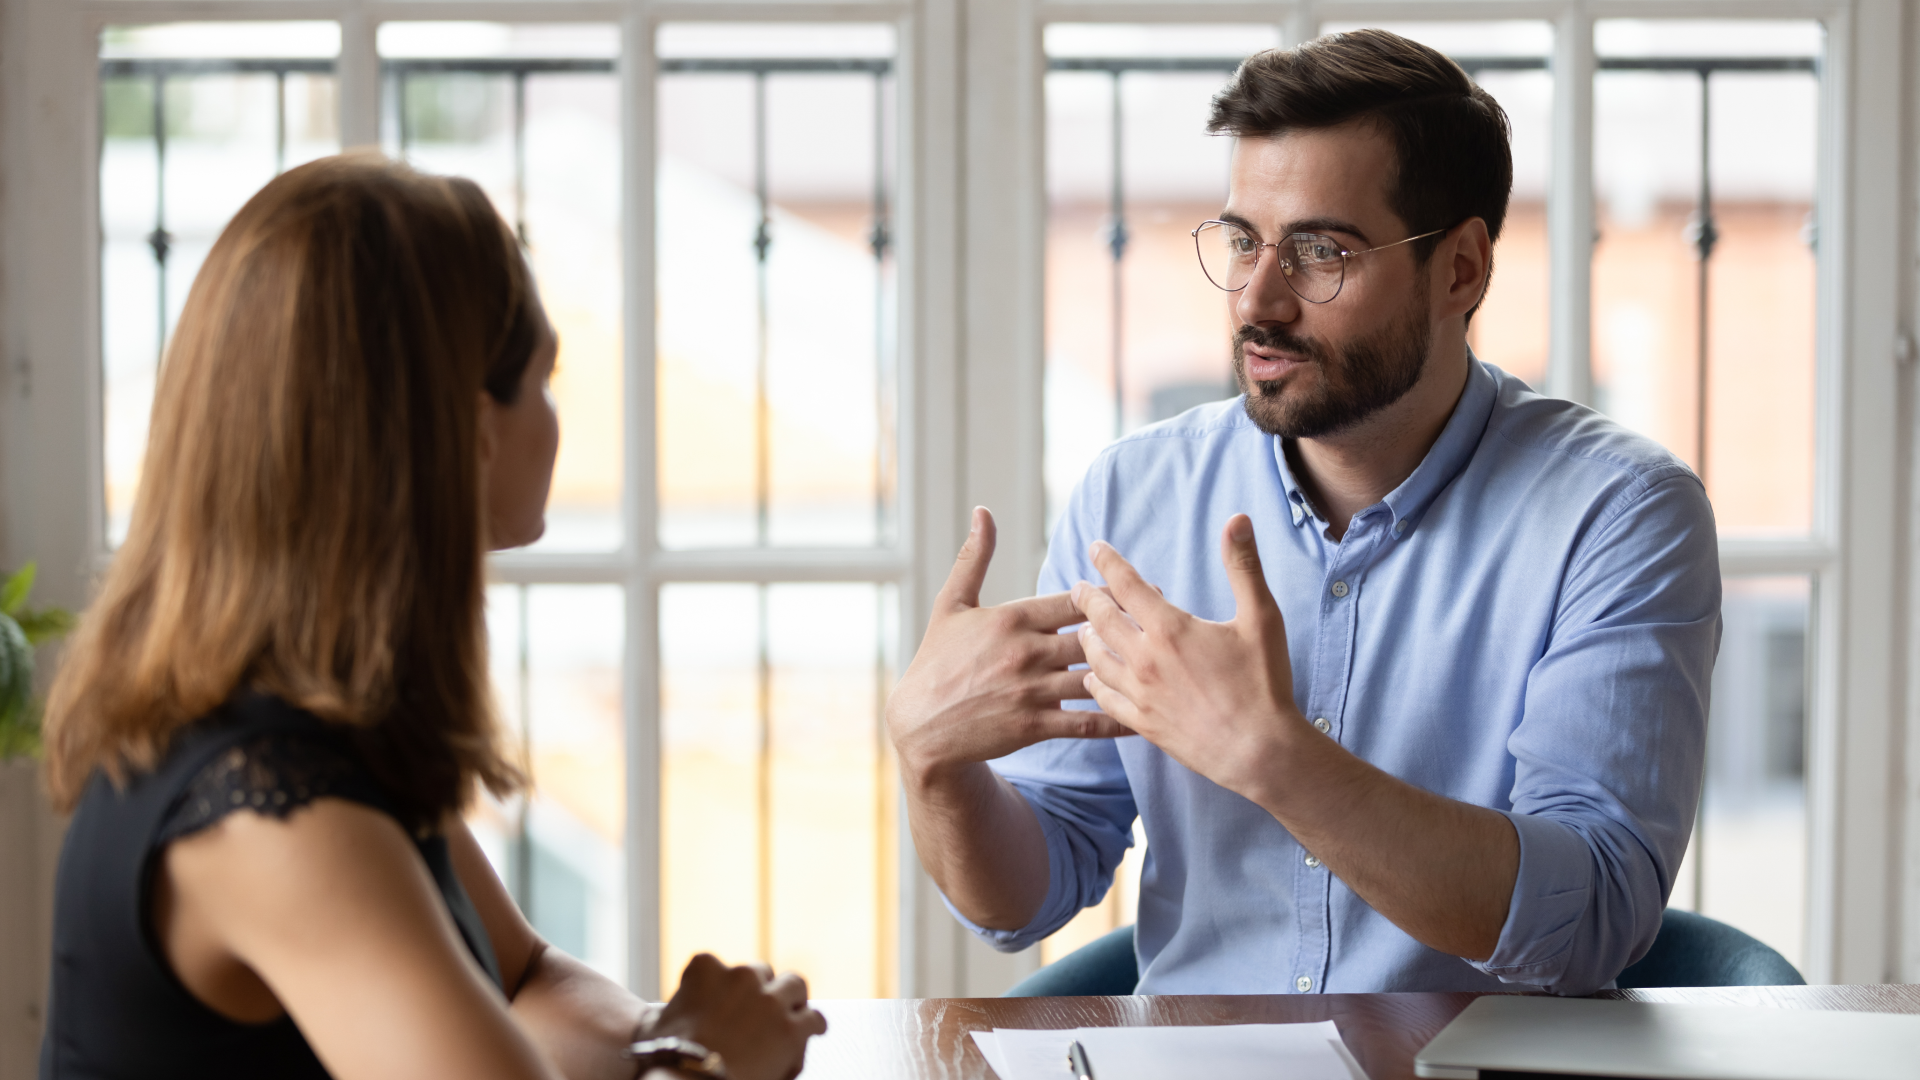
(1441, 725)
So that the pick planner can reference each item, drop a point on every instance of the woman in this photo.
(270, 719)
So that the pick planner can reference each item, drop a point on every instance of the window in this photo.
(194, 118)
(777, 392)
(661, 623)
(1134, 333)
(1704, 312)
(532, 114)
(765, 472)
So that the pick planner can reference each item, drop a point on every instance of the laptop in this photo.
(1512, 1036)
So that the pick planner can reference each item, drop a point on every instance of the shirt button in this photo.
(1339, 589)
(1313, 862)
(1303, 984)
(1322, 724)
(1400, 527)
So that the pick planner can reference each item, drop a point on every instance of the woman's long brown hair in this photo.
(308, 522)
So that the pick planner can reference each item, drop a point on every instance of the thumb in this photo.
(1241, 556)
(962, 589)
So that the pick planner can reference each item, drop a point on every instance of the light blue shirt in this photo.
(1528, 623)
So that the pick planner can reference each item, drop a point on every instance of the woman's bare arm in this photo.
(334, 913)
(759, 1023)
(581, 1018)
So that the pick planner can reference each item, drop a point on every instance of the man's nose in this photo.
(1268, 298)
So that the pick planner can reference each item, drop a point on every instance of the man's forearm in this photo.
(980, 842)
(1440, 869)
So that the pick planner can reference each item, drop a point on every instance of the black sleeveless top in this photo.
(116, 1008)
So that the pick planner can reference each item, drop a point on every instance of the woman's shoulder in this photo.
(262, 755)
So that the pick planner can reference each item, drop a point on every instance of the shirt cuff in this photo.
(1055, 911)
(1550, 897)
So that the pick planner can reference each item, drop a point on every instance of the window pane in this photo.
(1510, 330)
(556, 656)
(1147, 322)
(532, 114)
(775, 286)
(777, 816)
(1759, 277)
(1748, 862)
(193, 122)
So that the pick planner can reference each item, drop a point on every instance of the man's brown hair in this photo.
(308, 521)
(1451, 140)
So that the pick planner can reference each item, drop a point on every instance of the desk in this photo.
(924, 1040)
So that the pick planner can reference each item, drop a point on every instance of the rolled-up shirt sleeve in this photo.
(1078, 790)
(1609, 752)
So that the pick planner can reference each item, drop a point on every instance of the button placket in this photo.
(1335, 639)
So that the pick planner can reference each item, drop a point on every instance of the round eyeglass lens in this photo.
(1315, 266)
(1227, 254)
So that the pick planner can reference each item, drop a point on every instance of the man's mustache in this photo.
(1278, 338)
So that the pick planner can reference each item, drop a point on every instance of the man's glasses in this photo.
(1314, 265)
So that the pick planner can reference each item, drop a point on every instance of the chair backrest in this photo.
(1104, 967)
(1693, 950)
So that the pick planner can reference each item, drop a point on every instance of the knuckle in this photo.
(1006, 666)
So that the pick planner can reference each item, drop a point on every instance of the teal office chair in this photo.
(1691, 950)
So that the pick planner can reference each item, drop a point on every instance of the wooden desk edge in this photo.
(908, 1039)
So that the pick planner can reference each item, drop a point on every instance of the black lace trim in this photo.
(274, 774)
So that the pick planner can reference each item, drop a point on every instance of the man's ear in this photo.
(1461, 267)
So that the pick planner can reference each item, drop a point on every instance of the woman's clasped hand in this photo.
(758, 1023)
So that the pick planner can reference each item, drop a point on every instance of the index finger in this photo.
(1108, 619)
(790, 990)
(1130, 591)
(1049, 612)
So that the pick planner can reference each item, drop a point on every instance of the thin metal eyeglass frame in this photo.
(1258, 244)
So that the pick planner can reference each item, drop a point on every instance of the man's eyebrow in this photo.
(1232, 218)
(1327, 225)
(1312, 225)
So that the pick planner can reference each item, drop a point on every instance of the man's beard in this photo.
(1355, 382)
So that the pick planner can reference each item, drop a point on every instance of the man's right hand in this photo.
(988, 681)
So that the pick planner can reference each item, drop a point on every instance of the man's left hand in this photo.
(1215, 696)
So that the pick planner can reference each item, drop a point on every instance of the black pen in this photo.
(1077, 1061)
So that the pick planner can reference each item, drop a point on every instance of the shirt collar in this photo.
(1446, 459)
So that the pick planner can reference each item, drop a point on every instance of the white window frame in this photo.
(970, 214)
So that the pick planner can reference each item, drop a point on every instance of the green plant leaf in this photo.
(45, 624)
(16, 669)
(14, 592)
(20, 732)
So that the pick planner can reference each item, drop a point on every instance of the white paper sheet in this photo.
(1226, 1052)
